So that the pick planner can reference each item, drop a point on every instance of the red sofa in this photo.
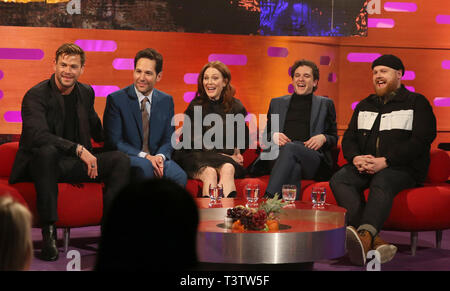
(418, 209)
(80, 205)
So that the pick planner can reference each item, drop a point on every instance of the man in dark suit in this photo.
(304, 134)
(137, 121)
(59, 121)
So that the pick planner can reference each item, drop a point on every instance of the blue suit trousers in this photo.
(143, 169)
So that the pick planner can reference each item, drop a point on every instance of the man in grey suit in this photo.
(305, 134)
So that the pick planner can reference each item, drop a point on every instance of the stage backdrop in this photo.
(262, 17)
(416, 31)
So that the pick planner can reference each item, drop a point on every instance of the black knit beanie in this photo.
(390, 61)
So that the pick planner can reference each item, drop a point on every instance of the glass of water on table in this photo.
(215, 195)
(318, 196)
(289, 193)
(252, 195)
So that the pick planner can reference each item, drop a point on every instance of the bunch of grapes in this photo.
(237, 212)
(258, 220)
(251, 219)
(246, 218)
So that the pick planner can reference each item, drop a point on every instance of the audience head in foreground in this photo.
(16, 246)
(152, 225)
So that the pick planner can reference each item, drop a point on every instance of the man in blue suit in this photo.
(305, 133)
(137, 121)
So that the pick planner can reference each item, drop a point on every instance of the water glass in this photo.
(289, 193)
(252, 194)
(318, 196)
(219, 188)
(215, 194)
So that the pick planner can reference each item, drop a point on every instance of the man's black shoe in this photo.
(49, 250)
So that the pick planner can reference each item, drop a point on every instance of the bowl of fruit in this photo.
(263, 218)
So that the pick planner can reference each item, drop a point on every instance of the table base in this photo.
(255, 267)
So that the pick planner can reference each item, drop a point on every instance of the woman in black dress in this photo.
(214, 132)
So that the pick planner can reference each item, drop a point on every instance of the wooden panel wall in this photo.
(421, 43)
(416, 38)
(260, 79)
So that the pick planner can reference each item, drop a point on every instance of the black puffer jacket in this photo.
(401, 130)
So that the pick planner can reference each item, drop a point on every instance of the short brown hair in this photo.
(71, 49)
(312, 65)
(150, 54)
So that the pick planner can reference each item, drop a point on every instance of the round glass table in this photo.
(306, 234)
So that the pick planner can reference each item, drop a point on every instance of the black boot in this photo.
(49, 250)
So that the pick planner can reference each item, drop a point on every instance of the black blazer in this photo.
(43, 123)
(323, 121)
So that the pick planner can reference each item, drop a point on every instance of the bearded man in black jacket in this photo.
(59, 121)
(387, 146)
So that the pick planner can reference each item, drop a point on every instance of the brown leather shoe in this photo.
(387, 251)
(358, 244)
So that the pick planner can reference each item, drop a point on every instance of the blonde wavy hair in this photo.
(16, 246)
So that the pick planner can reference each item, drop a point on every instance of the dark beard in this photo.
(391, 87)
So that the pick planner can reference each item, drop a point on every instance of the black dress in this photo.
(200, 154)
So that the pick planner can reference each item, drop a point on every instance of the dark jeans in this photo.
(295, 162)
(50, 167)
(348, 186)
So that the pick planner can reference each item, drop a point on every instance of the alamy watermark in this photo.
(75, 263)
(375, 263)
(374, 7)
(74, 7)
(194, 138)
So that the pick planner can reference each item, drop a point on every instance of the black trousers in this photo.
(348, 186)
(295, 162)
(50, 167)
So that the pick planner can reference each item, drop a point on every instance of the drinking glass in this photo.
(252, 194)
(219, 188)
(318, 196)
(212, 195)
(289, 193)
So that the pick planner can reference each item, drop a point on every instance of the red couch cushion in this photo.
(439, 169)
(7, 153)
(76, 206)
(194, 187)
(421, 209)
(250, 156)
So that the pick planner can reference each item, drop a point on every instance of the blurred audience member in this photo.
(152, 225)
(16, 246)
